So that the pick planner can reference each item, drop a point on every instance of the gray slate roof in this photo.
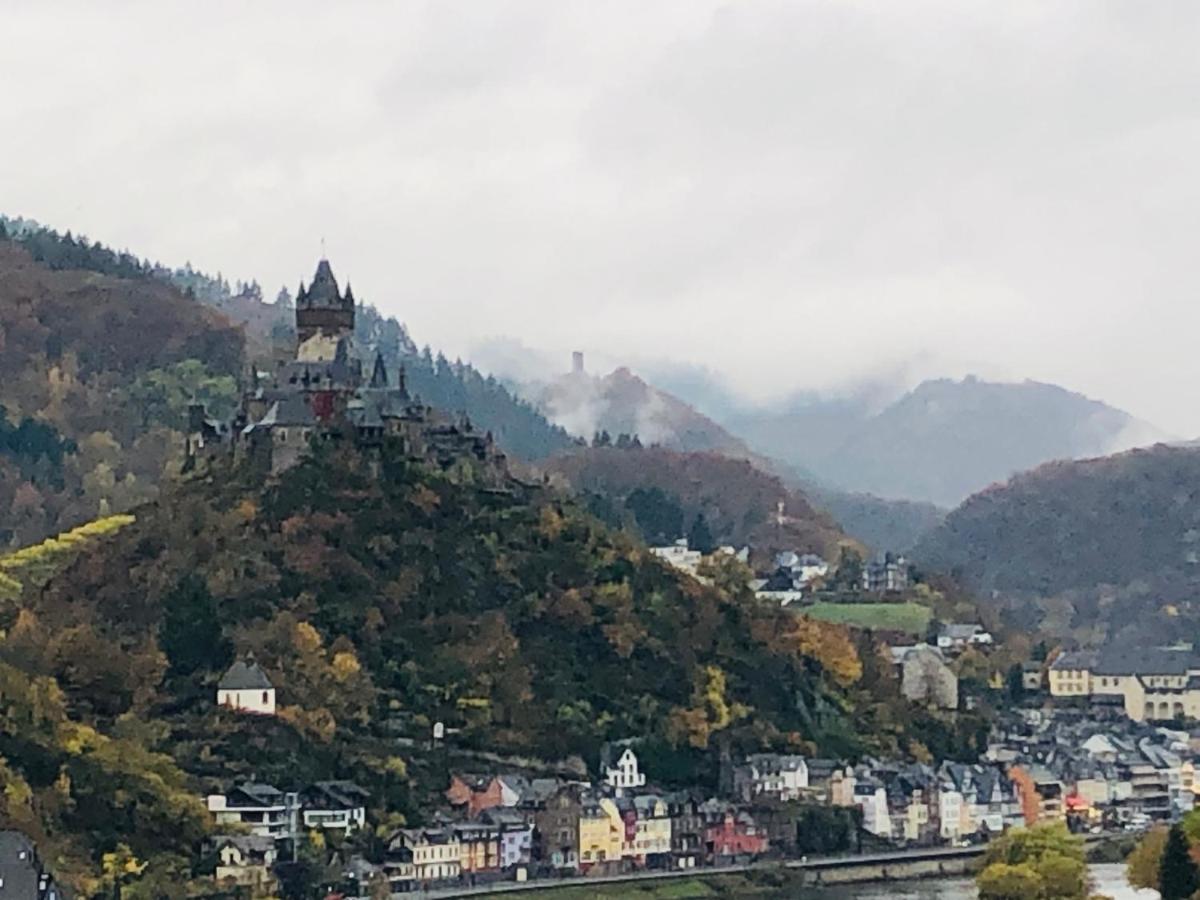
(244, 675)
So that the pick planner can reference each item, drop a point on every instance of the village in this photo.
(1090, 743)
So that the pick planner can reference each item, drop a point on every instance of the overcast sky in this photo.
(798, 195)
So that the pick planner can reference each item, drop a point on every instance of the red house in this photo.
(475, 792)
(733, 833)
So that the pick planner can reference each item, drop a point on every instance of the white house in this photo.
(872, 799)
(625, 774)
(334, 806)
(679, 556)
(246, 688)
(263, 809)
(950, 812)
(772, 776)
(957, 637)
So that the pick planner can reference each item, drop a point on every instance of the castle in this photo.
(322, 395)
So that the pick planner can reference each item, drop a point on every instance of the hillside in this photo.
(661, 493)
(882, 525)
(101, 352)
(95, 375)
(623, 403)
(944, 440)
(1094, 546)
(378, 604)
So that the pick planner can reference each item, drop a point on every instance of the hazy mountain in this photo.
(1087, 547)
(940, 442)
(947, 439)
(880, 524)
(623, 403)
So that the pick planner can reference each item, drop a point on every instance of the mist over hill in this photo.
(937, 443)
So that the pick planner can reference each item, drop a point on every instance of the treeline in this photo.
(67, 251)
(721, 500)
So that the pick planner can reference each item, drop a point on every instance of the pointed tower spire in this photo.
(379, 377)
(402, 384)
(348, 297)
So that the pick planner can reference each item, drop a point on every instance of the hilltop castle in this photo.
(322, 395)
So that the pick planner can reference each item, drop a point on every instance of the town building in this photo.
(423, 855)
(557, 828)
(478, 846)
(804, 568)
(954, 637)
(515, 835)
(264, 810)
(1032, 676)
(245, 687)
(651, 843)
(771, 776)
(22, 875)
(334, 806)
(1148, 683)
(780, 587)
(679, 556)
(623, 773)
(688, 840)
(888, 574)
(601, 831)
(730, 832)
(246, 860)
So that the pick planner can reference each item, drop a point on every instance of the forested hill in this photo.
(663, 494)
(1102, 545)
(381, 598)
(95, 375)
(453, 386)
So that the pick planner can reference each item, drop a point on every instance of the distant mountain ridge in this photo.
(942, 441)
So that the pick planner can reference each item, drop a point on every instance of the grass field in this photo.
(910, 617)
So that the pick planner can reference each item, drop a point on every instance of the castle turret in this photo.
(379, 377)
(322, 308)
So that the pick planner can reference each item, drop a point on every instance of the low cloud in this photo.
(797, 196)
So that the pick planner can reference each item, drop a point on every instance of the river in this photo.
(1109, 881)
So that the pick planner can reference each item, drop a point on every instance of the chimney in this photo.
(577, 363)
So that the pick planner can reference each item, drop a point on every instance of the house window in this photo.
(264, 697)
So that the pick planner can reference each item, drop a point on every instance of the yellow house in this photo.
(601, 831)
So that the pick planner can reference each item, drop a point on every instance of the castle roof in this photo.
(323, 292)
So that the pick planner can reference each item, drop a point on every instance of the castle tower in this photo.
(323, 309)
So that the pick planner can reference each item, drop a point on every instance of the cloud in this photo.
(797, 196)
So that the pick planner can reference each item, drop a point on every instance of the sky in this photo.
(796, 196)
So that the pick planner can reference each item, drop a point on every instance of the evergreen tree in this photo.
(191, 635)
(1177, 875)
(848, 575)
(700, 537)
